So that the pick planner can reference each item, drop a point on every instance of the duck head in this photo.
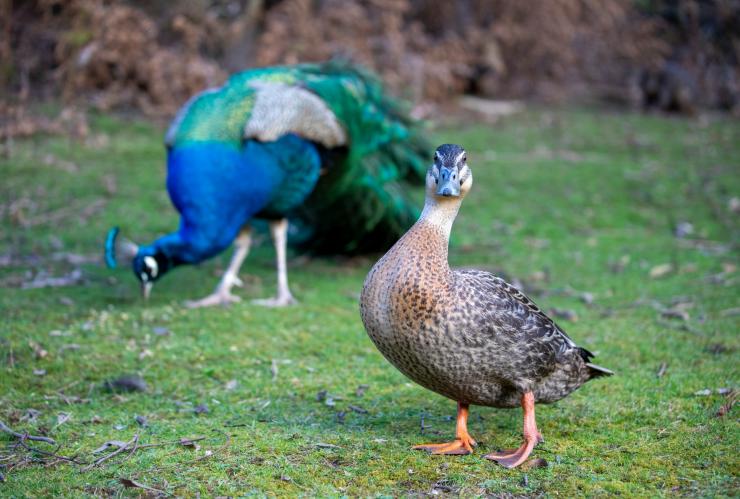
(449, 177)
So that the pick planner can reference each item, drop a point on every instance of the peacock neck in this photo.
(166, 250)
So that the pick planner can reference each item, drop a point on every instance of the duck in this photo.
(466, 334)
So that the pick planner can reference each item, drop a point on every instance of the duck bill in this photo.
(146, 289)
(449, 188)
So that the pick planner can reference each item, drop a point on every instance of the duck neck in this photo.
(440, 214)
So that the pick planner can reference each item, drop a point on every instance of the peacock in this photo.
(321, 145)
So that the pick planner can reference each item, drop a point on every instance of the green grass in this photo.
(569, 201)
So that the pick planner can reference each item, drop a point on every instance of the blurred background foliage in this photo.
(674, 55)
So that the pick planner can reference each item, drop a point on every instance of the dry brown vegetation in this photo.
(673, 54)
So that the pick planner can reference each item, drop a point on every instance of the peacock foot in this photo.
(222, 298)
(458, 447)
(278, 301)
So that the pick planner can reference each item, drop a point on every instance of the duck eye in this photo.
(436, 181)
(465, 158)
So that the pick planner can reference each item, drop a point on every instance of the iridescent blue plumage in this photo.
(218, 188)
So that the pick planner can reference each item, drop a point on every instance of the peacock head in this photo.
(149, 265)
(148, 262)
(449, 177)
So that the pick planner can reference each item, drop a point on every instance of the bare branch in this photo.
(25, 436)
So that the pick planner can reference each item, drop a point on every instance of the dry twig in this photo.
(133, 442)
(25, 436)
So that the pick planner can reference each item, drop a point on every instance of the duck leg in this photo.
(514, 457)
(222, 295)
(279, 232)
(463, 443)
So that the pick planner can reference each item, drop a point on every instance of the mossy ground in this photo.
(570, 201)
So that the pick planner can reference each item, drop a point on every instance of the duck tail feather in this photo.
(585, 354)
(598, 371)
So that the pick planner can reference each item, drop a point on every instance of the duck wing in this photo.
(517, 322)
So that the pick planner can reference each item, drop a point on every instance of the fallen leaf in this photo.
(360, 391)
(30, 415)
(142, 420)
(587, 298)
(661, 270)
(733, 205)
(127, 383)
(190, 443)
(531, 464)
(619, 266)
(39, 372)
(201, 409)
(38, 350)
(728, 405)
(662, 370)
(730, 312)
(683, 229)
(161, 331)
(357, 409)
(63, 417)
(538, 276)
(128, 483)
(110, 443)
(69, 346)
(231, 384)
(43, 280)
(703, 393)
(675, 313)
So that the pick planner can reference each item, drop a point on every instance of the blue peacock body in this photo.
(319, 144)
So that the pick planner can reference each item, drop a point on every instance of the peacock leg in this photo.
(279, 232)
(514, 457)
(463, 443)
(222, 295)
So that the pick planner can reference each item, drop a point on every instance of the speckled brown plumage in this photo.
(465, 334)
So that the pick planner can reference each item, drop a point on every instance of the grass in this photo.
(570, 201)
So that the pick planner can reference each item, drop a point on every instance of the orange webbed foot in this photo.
(459, 447)
(462, 445)
(511, 458)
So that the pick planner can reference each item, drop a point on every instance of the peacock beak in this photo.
(449, 186)
(146, 289)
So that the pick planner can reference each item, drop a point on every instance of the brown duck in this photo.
(466, 334)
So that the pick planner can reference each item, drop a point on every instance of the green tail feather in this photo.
(362, 204)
